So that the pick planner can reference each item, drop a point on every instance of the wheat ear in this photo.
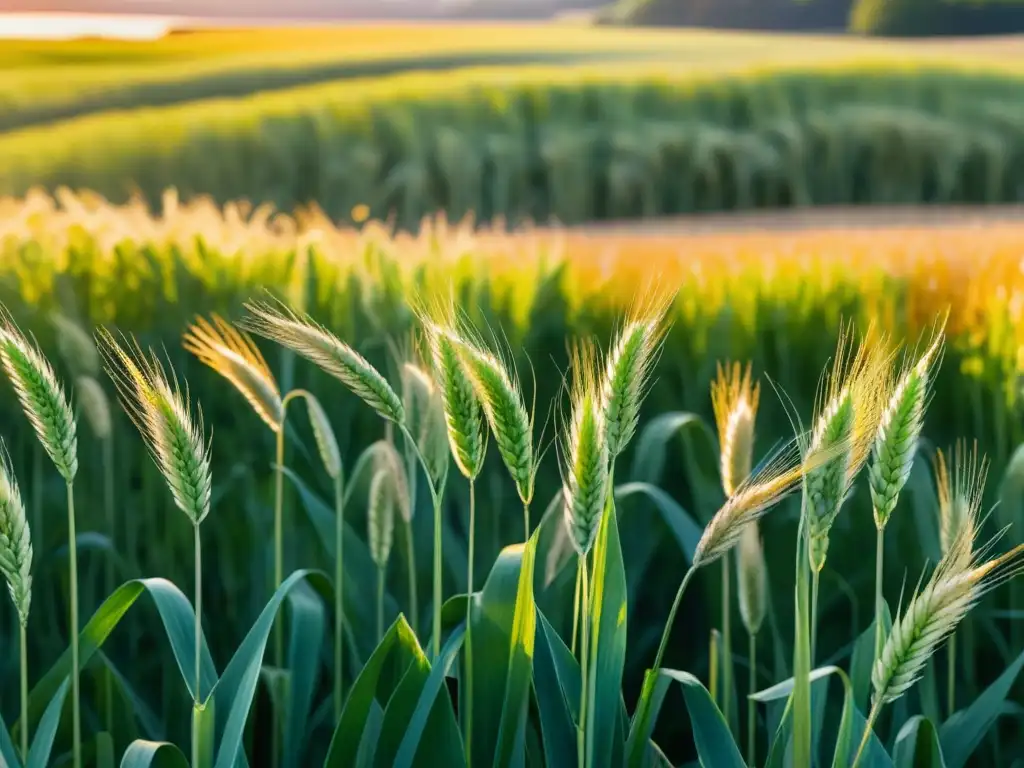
(752, 579)
(323, 349)
(735, 397)
(848, 415)
(15, 540)
(160, 409)
(462, 411)
(234, 355)
(899, 431)
(93, 402)
(628, 369)
(425, 414)
(586, 457)
(76, 345)
(323, 434)
(41, 396)
(960, 498)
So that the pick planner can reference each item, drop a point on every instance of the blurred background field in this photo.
(546, 172)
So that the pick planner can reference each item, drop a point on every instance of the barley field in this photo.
(364, 426)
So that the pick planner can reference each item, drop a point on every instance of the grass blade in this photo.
(608, 648)
(8, 755)
(42, 743)
(964, 730)
(917, 745)
(308, 619)
(153, 754)
(556, 680)
(711, 735)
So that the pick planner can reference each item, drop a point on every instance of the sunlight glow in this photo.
(67, 26)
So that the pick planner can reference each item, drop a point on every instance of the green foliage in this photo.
(924, 18)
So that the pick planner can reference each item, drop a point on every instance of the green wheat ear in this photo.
(381, 517)
(41, 396)
(586, 457)
(322, 348)
(899, 432)
(463, 414)
(752, 579)
(323, 433)
(424, 408)
(15, 540)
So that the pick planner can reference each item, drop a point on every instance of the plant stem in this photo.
(751, 704)
(581, 741)
(726, 641)
(108, 502)
(951, 681)
(815, 577)
(380, 603)
(801, 697)
(576, 604)
(435, 497)
(875, 709)
(23, 674)
(339, 602)
(713, 665)
(197, 699)
(73, 566)
(526, 522)
(469, 625)
(410, 556)
(671, 618)
(279, 539)
(879, 565)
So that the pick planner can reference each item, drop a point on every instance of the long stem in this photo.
(469, 624)
(339, 602)
(410, 556)
(951, 680)
(108, 502)
(380, 603)
(726, 641)
(801, 696)
(581, 741)
(526, 522)
(879, 566)
(576, 605)
(751, 704)
(197, 702)
(671, 618)
(279, 539)
(23, 673)
(815, 577)
(435, 497)
(875, 709)
(73, 566)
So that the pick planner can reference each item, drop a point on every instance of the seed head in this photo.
(735, 399)
(233, 355)
(384, 458)
(76, 346)
(381, 517)
(628, 369)
(41, 396)
(462, 412)
(960, 498)
(15, 541)
(752, 578)
(499, 393)
(933, 615)
(316, 344)
(326, 442)
(585, 471)
(899, 431)
(425, 415)
(849, 412)
(95, 405)
(160, 409)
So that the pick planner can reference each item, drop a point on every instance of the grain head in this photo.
(849, 410)
(233, 354)
(386, 459)
(585, 453)
(463, 414)
(93, 402)
(160, 409)
(960, 498)
(628, 369)
(735, 400)
(323, 433)
(425, 416)
(41, 396)
(320, 347)
(76, 345)
(752, 579)
(380, 518)
(899, 431)
(15, 541)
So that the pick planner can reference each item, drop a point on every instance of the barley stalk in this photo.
(15, 542)
(628, 369)
(323, 349)
(233, 355)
